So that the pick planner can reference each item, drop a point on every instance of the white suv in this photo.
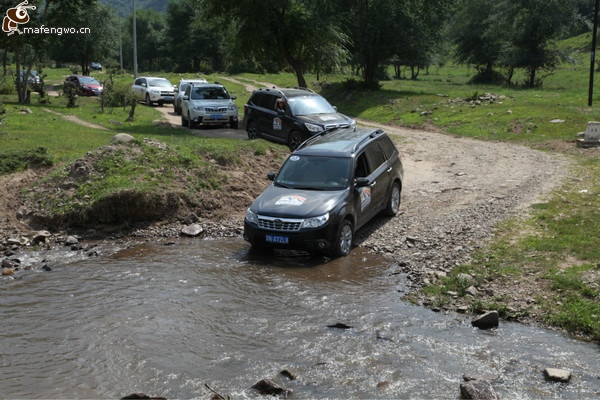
(180, 90)
(210, 104)
(153, 90)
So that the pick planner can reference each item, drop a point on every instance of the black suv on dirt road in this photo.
(330, 186)
(290, 115)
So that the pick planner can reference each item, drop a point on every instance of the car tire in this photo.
(393, 204)
(148, 101)
(252, 130)
(176, 110)
(233, 124)
(294, 140)
(184, 121)
(343, 240)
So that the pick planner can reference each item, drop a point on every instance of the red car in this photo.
(85, 85)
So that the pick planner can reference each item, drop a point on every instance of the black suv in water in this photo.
(329, 187)
(290, 115)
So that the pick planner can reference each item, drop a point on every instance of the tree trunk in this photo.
(297, 67)
(532, 71)
(4, 57)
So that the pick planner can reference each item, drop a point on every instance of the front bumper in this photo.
(213, 118)
(162, 97)
(312, 240)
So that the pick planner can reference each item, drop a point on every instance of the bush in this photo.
(116, 94)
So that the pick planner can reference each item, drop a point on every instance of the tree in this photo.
(151, 41)
(531, 26)
(282, 32)
(101, 43)
(476, 32)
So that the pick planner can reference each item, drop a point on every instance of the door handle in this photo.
(389, 170)
(374, 183)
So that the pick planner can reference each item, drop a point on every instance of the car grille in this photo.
(279, 224)
(167, 93)
(215, 109)
(344, 125)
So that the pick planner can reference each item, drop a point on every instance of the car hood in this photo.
(327, 119)
(295, 203)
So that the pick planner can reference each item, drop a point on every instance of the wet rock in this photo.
(478, 389)
(339, 325)
(8, 271)
(40, 237)
(142, 396)
(557, 375)
(8, 263)
(488, 320)
(46, 268)
(291, 376)
(268, 387)
(122, 138)
(192, 230)
(484, 377)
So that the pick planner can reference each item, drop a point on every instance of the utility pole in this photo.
(592, 61)
(120, 45)
(135, 72)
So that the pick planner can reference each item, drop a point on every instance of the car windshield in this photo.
(87, 79)
(314, 173)
(159, 83)
(308, 105)
(210, 93)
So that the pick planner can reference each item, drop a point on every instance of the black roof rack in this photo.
(373, 135)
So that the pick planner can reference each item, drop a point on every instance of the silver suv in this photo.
(209, 104)
(153, 90)
(180, 90)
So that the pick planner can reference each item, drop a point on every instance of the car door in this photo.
(267, 122)
(380, 176)
(185, 101)
(364, 207)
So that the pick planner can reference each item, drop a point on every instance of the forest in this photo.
(362, 39)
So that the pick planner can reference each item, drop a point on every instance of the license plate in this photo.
(216, 116)
(168, 97)
(277, 239)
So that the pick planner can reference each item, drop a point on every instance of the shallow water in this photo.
(167, 320)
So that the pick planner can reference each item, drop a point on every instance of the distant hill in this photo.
(123, 7)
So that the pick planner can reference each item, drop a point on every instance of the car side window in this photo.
(361, 169)
(376, 156)
(388, 147)
(255, 99)
(137, 82)
(268, 101)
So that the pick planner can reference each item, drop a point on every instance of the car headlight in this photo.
(232, 107)
(252, 217)
(155, 91)
(313, 127)
(315, 222)
(197, 108)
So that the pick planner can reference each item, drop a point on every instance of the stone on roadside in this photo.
(557, 375)
(122, 138)
(192, 230)
(71, 240)
(40, 237)
(488, 320)
(478, 389)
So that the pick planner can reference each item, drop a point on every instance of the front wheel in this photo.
(394, 201)
(233, 124)
(294, 140)
(148, 101)
(184, 122)
(343, 240)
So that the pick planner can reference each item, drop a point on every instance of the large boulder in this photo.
(488, 320)
(478, 389)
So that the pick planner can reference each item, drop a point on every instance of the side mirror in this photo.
(233, 97)
(144, 85)
(335, 108)
(175, 88)
(362, 182)
(271, 176)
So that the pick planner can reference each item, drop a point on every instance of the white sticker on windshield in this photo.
(290, 201)
(294, 158)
